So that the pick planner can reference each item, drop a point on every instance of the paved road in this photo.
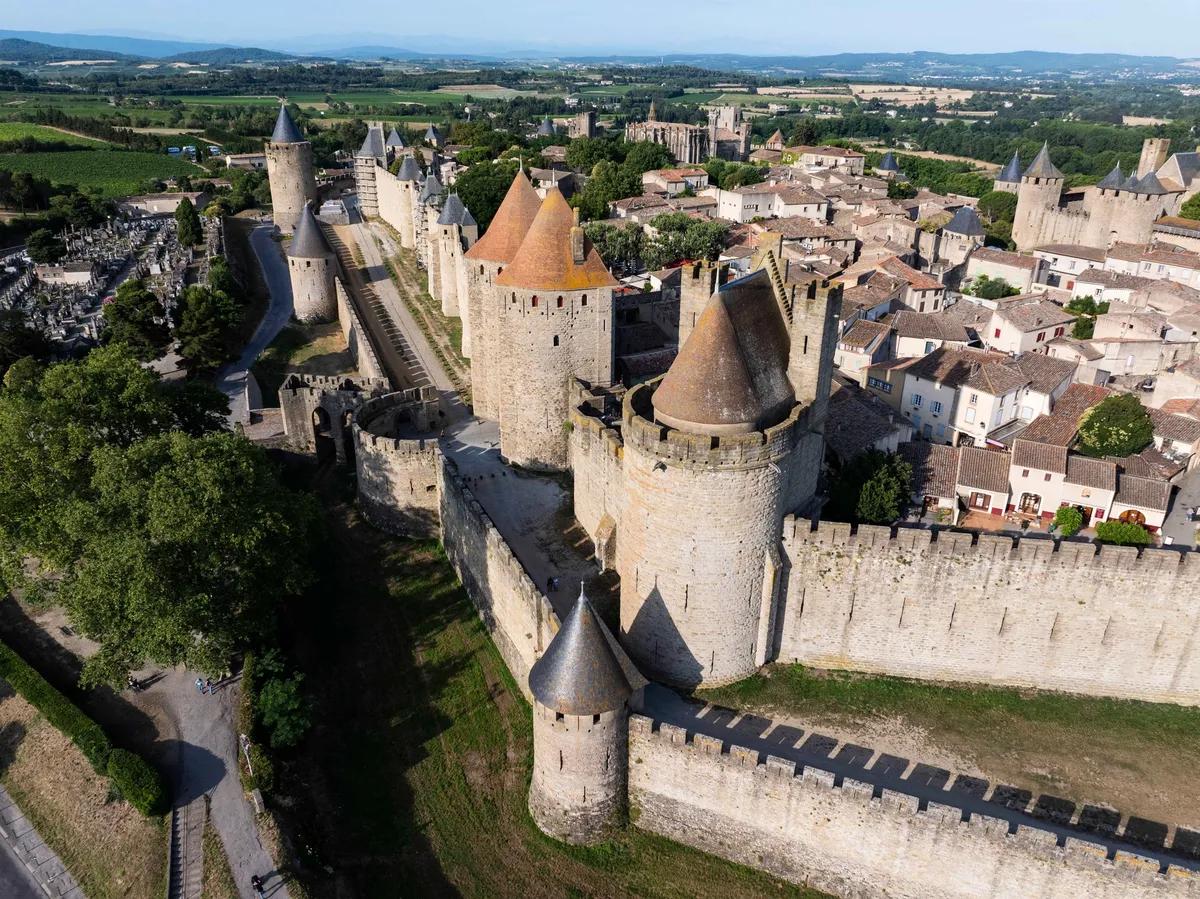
(790, 740)
(15, 880)
(1181, 531)
(234, 378)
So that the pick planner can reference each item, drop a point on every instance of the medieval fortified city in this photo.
(515, 454)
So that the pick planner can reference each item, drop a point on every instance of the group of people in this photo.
(205, 685)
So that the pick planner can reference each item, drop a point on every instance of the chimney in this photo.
(577, 248)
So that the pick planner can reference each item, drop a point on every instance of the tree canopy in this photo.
(136, 317)
(874, 487)
(45, 246)
(1117, 426)
(187, 221)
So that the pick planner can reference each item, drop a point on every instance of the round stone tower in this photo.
(580, 732)
(484, 261)
(713, 453)
(311, 267)
(557, 302)
(1037, 201)
(290, 171)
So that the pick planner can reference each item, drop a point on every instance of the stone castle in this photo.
(694, 487)
(725, 136)
(1119, 208)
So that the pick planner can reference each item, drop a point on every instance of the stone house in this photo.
(1064, 263)
(1021, 272)
(862, 345)
(838, 158)
(675, 181)
(922, 292)
(920, 333)
(1024, 323)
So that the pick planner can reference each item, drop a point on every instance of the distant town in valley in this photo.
(429, 471)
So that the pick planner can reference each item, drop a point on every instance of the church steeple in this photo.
(652, 115)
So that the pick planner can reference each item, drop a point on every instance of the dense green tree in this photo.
(989, 288)
(679, 236)
(136, 318)
(18, 340)
(188, 223)
(1191, 209)
(207, 322)
(874, 487)
(644, 156)
(1117, 426)
(900, 190)
(43, 245)
(1122, 533)
(280, 705)
(1068, 520)
(620, 246)
(482, 188)
(584, 152)
(998, 206)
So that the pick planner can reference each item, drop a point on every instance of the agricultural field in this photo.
(910, 95)
(611, 90)
(117, 173)
(22, 130)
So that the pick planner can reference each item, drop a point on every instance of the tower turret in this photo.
(1037, 198)
(698, 282)
(370, 156)
(557, 297)
(1009, 179)
(409, 178)
(580, 731)
(289, 171)
(311, 268)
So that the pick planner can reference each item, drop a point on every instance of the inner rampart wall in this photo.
(518, 617)
(358, 343)
(980, 608)
(804, 826)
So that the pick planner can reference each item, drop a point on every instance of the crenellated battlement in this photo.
(312, 385)
(968, 545)
(731, 451)
(956, 828)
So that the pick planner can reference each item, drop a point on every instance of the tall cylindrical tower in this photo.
(290, 172)
(708, 457)
(311, 267)
(484, 262)
(578, 791)
(556, 299)
(1037, 198)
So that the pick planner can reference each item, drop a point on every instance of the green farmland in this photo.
(117, 173)
(22, 130)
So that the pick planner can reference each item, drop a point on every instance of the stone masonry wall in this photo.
(595, 454)
(518, 617)
(803, 826)
(397, 483)
(358, 343)
(990, 609)
(290, 173)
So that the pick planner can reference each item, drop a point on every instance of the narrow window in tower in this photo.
(559, 716)
(560, 760)
(556, 340)
(533, 302)
(806, 344)
(559, 303)
(607, 753)
(583, 300)
(595, 719)
(481, 269)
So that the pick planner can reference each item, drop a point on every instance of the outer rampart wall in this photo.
(518, 617)
(357, 341)
(803, 827)
(990, 609)
(595, 453)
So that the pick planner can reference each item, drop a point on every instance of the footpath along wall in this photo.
(981, 608)
(801, 826)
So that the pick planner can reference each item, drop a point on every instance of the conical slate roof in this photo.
(1131, 183)
(730, 375)
(373, 143)
(1150, 185)
(1114, 180)
(453, 211)
(888, 163)
(286, 131)
(432, 134)
(545, 260)
(510, 224)
(468, 220)
(1042, 167)
(1011, 173)
(546, 129)
(395, 140)
(409, 170)
(431, 189)
(965, 221)
(579, 674)
(309, 240)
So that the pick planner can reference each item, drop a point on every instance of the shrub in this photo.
(284, 710)
(264, 769)
(1068, 520)
(137, 782)
(1122, 533)
(1117, 426)
(57, 709)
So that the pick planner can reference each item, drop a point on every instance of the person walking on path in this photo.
(257, 883)
(208, 686)
(199, 685)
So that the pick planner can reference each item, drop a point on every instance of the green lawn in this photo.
(414, 781)
(1139, 757)
(22, 130)
(117, 173)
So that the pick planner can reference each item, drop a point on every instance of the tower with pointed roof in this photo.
(960, 236)
(1009, 178)
(556, 298)
(311, 267)
(715, 454)
(485, 308)
(454, 232)
(580, 731)
(1038, 198)
(289, 171)
(371, 157)
(406, 186)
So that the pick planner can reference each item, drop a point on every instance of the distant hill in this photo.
(223, 56)
(369, 51)
(109, 44)
(34, 53)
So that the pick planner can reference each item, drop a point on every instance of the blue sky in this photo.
(1167, 27)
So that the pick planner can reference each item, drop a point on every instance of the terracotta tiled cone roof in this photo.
(545, 261)
(731, 373)
(509, 225)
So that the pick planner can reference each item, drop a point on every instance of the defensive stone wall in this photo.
(518, 617)
(395, 203)
(397, 477)
(805, 826)
(358, 342)
(595, 454)
(990, 608)
(290, 173)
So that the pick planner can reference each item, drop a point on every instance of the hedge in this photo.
(130, 773)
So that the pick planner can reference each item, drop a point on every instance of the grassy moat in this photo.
(414, 780)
